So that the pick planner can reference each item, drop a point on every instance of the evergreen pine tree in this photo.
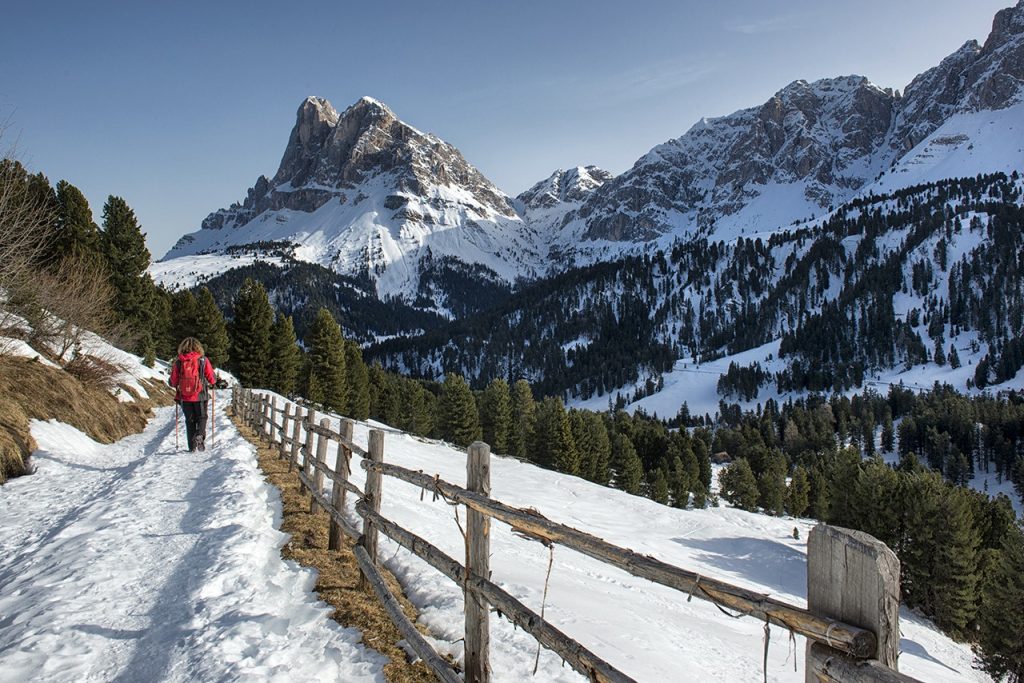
(211, 329)
(553, 443)
(798, 495)
(595, 449)
(460, 421)
(183, 316)
(327, 357)
(771, 485)
(358, 382)
(285, 356)
(1001, 617)
(250, 333)
(939, 356)
(659, 487)
(496, 415)
(629, 471)
(679, 484)
(127, 258)
(954, 595)
(954, 357)
(888, 435)
(738, 485)
(76, 234)
(523, 418)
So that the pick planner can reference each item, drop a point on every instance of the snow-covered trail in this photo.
(133, 562)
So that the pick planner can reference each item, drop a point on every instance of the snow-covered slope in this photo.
(650, 632)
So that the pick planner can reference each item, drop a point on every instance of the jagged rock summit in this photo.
(366, 194)
(815, 145)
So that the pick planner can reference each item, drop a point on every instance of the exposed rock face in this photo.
(573, 185)
(826, 140)
(820, 134)
(363, 192)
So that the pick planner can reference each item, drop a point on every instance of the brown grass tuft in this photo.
(31, 390)
(337, 571)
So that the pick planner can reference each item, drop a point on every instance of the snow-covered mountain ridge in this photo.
(365, 194)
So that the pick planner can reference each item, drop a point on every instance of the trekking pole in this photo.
(175, 426)
(213, 418)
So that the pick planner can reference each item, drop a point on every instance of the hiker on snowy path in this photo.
(192, 375)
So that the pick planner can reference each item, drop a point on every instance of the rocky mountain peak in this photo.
(564, 185)
(1007, 25)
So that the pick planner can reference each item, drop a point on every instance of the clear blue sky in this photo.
(180, 106)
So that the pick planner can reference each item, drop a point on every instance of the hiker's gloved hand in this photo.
(221, 383)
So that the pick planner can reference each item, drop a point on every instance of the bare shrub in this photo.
(94, 370)
(75, 298)
(23, 221)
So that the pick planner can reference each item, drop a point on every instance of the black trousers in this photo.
(195, 413)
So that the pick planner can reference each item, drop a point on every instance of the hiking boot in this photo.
(201, 443)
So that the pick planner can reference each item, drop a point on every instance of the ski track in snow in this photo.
(131, 562)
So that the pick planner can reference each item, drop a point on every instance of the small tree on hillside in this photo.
(250, 331)
(211, 329)
(76, 234)
(358, 382)
(460, 422)
(523, 419)
(327, 359)
(797, 497)
(1001, 617)
(629, 471)
(136, 300)
(738, 485)
(496, 415)
(285, 356)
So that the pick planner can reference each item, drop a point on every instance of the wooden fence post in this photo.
(268, 418)
(478, 540)
(308, 447)
(321, 458)
(854, 578)
(341, 474)
(284, 429)
(261, 416)
(372, 492)
(296, 433)
(273, 420)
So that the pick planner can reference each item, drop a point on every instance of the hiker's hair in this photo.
(190, 345)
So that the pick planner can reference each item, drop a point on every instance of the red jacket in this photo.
(207, 372)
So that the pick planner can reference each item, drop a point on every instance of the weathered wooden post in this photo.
(262, 419)
(321, 458)
(478, 540)
(375, 453)
(275, 434)
(341, 474)
(296, 434)
(854, 578)
(281, 448)
(268, 419)
(308, 447)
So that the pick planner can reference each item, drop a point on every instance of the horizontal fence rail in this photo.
(850, 639)
(836, 650)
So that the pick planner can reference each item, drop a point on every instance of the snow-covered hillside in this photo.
(650, 632)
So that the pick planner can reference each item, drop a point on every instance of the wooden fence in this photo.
(851, 622)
